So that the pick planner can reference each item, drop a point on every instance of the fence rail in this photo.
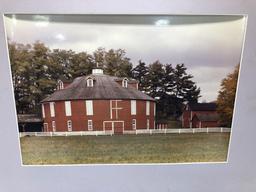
(138, 131)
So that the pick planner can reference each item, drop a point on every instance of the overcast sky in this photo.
(209, 46)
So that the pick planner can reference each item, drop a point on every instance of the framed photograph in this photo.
(92, 93)
(113, 89)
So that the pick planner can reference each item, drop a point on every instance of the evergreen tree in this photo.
(140, 73)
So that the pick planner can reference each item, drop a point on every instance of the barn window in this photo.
(90, 126)
(148, 124)
(125, 82)
(60, 85)
(89, 82)
(53, 126)
(69, 125)
(134, 124)
(43, 112)
(133, 107)
(147, 108)
(52, 110)
(89, 107)
(68, 108)
(46, 127)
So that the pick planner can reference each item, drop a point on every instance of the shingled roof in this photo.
(203, 107)
(105, 87)
(207, 117)
(29, 118)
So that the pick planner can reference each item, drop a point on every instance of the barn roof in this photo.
(29, 118)
(207, 117)
(105, 87)
(203, 106)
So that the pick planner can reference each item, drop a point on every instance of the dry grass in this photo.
(160, 148)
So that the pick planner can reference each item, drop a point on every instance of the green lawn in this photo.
(158, 148)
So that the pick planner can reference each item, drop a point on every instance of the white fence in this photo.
(138, 131)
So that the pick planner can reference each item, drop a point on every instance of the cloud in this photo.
(209, 50)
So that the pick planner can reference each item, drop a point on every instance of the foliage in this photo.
(36, 69)
(226, 97)
(170, 86)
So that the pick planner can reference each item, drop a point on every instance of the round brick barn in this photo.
(98, 102)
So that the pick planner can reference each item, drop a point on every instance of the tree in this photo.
(140, 73)
(226, 97)
(155, 79)
(114, 62)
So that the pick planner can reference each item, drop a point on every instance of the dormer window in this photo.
(89, 82)
(125, 82)
(60, 85)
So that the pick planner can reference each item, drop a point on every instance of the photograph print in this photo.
(124, 89)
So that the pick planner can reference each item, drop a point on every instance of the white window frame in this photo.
(89, 107)
(45, 127)
(60, 85)
(147, 107)
(52, 109)
(43, 111)
(68, 109)
(148, 123)
(89, 82)
(134, 124)
(53, 126)
(69, 125)
(133, 107)
(125, 83)
(90, 125)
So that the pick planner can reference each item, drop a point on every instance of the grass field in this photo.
(158, 148)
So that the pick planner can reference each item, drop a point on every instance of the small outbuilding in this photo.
(98, 102)
(198, 115)
(30, 123)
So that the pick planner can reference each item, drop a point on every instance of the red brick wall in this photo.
(101, 112)
(186, 117)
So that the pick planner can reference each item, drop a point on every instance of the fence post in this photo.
(221, 129)
(179, 131)
(207, 130)
(193, 130)
(165, 131)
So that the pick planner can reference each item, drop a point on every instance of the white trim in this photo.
(69, 125)
(52, 110)
(60, 85)
(125, 83)
(90, 125)
(148, 123)
(45, 127)
(89, 82)
(147, 107)
(134, 124)
(89, 107)
(43, 111)
(114, 107)
(113, 125)
(68, 109)
(133, 107)
(53, 126)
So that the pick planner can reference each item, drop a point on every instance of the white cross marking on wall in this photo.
(114, 106)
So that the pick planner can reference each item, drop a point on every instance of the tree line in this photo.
(36, 69)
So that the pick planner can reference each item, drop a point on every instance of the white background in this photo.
(236, 175)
